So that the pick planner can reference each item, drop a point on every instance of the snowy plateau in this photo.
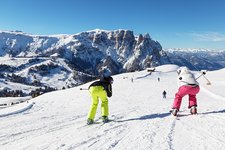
(140, 117)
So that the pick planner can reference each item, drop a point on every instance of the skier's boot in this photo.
(90, 121)
(105, 119)
(174, 112)
(193, 110)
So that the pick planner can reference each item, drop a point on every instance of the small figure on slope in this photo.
(132, 80)
(164, 94)
(100, 90)
(187, 86)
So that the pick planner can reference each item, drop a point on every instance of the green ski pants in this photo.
(98, 92)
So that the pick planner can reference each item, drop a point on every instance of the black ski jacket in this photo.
(105, 83)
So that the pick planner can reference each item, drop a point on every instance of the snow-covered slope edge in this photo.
(16, 109)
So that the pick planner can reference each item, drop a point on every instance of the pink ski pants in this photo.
(186, 90)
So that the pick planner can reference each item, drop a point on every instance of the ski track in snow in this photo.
(170, 135)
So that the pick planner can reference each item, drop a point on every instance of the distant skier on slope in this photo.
(187, 86)
(100, 90)
(164, 94)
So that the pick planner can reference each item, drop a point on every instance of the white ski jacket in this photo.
(185, 77)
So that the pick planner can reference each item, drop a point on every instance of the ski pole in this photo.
(83, 89)
(203, 74)
(198, 77)
(208, 82)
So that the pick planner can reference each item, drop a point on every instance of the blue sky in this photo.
(174, 23)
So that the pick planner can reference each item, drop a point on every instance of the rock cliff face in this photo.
(121, 48)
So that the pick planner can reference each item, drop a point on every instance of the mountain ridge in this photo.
(63, 61)
(50, 62)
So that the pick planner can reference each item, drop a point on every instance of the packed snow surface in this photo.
(140, 117)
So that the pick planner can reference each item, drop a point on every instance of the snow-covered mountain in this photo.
(197, 59)
(40, 63)
(61, 61)
(141, 116)
(91, 50)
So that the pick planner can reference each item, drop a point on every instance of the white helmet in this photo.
(183, 70)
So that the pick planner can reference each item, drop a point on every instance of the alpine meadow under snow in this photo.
(140, 117)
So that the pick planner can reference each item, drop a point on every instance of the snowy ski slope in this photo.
(141, 118)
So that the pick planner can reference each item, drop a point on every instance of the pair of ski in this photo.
(178, 115)
(193, 110)
(102, 122)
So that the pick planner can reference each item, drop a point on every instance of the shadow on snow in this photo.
(163, 115)
(214, 112)
(146, 117)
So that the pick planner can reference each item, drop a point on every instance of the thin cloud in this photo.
(209, 36)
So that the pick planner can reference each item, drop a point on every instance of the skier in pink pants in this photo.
(187, 86)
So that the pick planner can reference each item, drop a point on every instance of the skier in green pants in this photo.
(100, 90)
